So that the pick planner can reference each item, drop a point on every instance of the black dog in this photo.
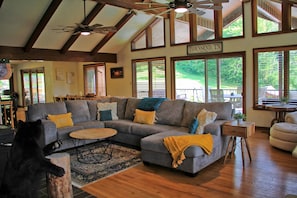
(27, 163)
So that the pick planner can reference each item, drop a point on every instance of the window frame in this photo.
(218, 28)
(148, 36)
(148, 60)
(95, 67)
(30, 71)
(212, 56)
(286, 68)
(285, 17)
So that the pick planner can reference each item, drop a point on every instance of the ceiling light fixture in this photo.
(180, 6)
(85, 32)
(181, 10)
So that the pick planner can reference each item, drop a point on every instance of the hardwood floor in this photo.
(272, 173)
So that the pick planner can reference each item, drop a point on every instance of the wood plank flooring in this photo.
(272, 173)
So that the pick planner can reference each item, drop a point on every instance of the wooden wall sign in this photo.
(205, 48)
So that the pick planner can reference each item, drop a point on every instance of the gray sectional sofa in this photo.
(173, 118)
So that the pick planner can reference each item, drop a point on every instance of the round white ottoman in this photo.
(283, 135)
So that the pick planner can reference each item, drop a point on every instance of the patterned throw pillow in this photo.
(107, 106)
(144, 117)
(205, 117)
(61, 120)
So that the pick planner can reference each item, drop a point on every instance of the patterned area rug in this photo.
(88, 171)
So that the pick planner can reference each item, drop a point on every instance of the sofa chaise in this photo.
(173, 117)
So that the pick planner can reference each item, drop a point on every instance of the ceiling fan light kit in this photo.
(85, 29)
(85, 33)
(182, 6)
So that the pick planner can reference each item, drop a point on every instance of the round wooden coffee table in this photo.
(90, 155)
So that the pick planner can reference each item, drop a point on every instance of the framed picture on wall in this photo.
(117, 72)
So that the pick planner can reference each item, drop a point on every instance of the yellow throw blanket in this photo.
(176, 145)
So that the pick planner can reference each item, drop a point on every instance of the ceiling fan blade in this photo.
(161, 13)
(105, 29)
(96, 26)
(196, 11)
(209, 1)
(214, 7)
(81, 25)
(76, 32)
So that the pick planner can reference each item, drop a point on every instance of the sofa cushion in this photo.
(107, 106)
(91, 124)
(144, 117)
(144, 130)
(92, 104)
(63, 133)
(61, 120)
(132, 104)
(155, 143)
(170, 112)
(79, 109)
(150, 104)
(122, 126)
(41, 110)
(122, 102)
(222, 109)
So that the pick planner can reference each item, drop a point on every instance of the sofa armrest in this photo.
(49, 132)
(291, 117)
(213, 128)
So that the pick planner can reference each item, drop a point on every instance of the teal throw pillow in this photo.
(193, 126)
(105, 115)
(150, 104)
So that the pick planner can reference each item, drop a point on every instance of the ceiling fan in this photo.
(182, 6)
(84, 29)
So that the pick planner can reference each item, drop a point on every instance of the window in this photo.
(152, 36)
(233, 20)
(4, 85)
(276, 71)
(190, 27)
(95, 79)
(33, 86)
(149, 78)
(210, 79)
(294, 17)
(270, 16)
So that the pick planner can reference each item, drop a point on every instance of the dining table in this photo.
(280, 111)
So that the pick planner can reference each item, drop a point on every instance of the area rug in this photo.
(122, 158)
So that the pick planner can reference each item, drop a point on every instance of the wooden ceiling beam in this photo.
(86, 21)
(17, 53)
(109, 35)
(1, 2)
(128, 4)
(42, 23)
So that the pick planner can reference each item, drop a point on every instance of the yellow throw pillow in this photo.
(205, 117)
(144, 117)
(61, 120)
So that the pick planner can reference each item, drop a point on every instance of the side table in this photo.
(242, 130)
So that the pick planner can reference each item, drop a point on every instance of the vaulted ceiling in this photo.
(32, 29)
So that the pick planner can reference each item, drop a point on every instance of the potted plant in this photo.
(239, 117)
(284, 100)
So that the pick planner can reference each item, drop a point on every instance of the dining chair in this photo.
(216, 95)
